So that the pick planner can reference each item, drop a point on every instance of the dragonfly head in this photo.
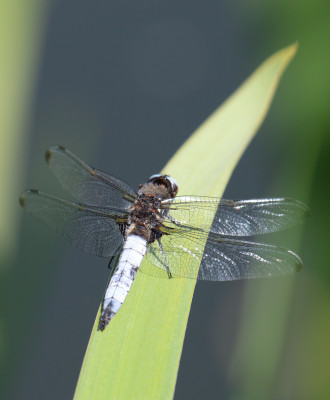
(165, 180)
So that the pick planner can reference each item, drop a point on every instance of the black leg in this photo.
(166, 263)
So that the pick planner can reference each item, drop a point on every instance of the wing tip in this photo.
(48, 156)
(22, 197)
(49, 152)
(21, 200)
(305, 210)
(298, 262)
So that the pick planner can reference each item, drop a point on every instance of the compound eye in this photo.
(174, 185)
(155, 176)
(164, 180)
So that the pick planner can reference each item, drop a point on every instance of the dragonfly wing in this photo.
(227, 259)
(237, 217)
(183, 250)
(85, 183)
(91, 229)
(222, 259)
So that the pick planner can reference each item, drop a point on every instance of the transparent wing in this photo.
(85, 183)
(237, 217)
(183, 250)
(91, 229)
(227, 259)
(222, 259)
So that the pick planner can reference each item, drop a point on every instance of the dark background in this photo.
(123, 84)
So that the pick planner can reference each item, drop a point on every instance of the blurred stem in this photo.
(21, 33)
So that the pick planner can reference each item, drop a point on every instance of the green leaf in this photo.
(138, 354)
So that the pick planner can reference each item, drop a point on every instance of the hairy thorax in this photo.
(146, 215)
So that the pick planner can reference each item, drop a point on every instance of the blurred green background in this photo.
(123, 84)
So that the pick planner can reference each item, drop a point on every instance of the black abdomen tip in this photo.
(106, 316)
(102, 325)
(103, 322)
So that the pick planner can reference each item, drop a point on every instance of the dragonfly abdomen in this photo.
(121, 281)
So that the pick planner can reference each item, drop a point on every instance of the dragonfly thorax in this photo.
(147, 214)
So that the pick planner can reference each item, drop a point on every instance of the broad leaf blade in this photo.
(138, 354)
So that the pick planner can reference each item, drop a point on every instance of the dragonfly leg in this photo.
(166, 263)
(175, 221)
(110, 265)
(114, 259)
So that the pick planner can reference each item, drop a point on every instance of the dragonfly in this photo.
(110, 219)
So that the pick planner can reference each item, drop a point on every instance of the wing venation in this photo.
(237, 217)
(87, 184)
(91, 229)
